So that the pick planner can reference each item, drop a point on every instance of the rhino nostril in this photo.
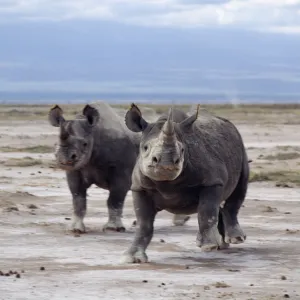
(176, 162)
(73, 156)
(154, 159)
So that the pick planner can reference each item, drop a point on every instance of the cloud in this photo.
(270, 15)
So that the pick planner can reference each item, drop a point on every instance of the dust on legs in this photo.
(134, 257)
(233, 231)
(114, 222)
(211, 240)
(234, 234)
(77, 225)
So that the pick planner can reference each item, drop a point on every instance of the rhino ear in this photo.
(134, 120)
(55, 116)
(190, 120)
(91, 114)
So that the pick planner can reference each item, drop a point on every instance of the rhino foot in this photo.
(114, 226)
(77, 225)
(211, 241)
(235, 235)
(180, 220)
(135, 258)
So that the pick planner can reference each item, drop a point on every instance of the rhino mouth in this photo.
(162, 173)
(167, 168)
(66, 165)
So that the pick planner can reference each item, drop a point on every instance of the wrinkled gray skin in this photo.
(196, 166)
(97, 148)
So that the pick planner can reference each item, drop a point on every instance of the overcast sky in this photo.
(275, 15)
(181, 46)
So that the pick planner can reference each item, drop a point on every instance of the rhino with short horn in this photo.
(97, 148)
(198, 165)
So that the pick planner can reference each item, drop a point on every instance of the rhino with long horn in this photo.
(196, 166)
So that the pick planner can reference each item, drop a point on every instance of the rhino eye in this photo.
(84, 144)
(145, 148)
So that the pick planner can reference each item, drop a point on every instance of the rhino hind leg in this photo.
(115, 203)
(180, 220)
(233, 231)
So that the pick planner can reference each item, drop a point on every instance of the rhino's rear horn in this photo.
(190, 120)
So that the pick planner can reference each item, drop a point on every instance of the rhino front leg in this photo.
(78, 191)
(180, 220)
(145, 213)
(115, 203)
(209, 237)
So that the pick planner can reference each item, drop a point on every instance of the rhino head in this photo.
(75, 143)
(162, 149)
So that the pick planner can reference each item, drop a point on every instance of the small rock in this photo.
(251, 284)
(163, 283)
(39, 172)
(283, 277)
(162, 241)
(22, 271)
(187, 267)
(269, 209)
(286, 296)
(12, 208)
(284, 185)
(32, 206)
(221, 285)
(287, 213)
(233, 270)
(68, 219)
(134, 223)
(32, 173)
(18, 276)
(42, 268)
(145, 281)
(291, 231)
(7, 274)
(1, 273)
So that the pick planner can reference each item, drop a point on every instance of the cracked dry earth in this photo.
(35, 208)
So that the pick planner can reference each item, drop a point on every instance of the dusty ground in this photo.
(35, 207)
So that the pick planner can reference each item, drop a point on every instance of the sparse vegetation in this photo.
(22, 162)
(273, 113)
(279, 176)
(281, 156)
(34, 149)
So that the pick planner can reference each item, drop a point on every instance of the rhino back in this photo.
(114, 144)
(215, 150)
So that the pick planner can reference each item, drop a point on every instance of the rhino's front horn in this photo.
(168, 127)
(63, 133)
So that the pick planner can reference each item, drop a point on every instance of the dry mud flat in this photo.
(35, 207)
